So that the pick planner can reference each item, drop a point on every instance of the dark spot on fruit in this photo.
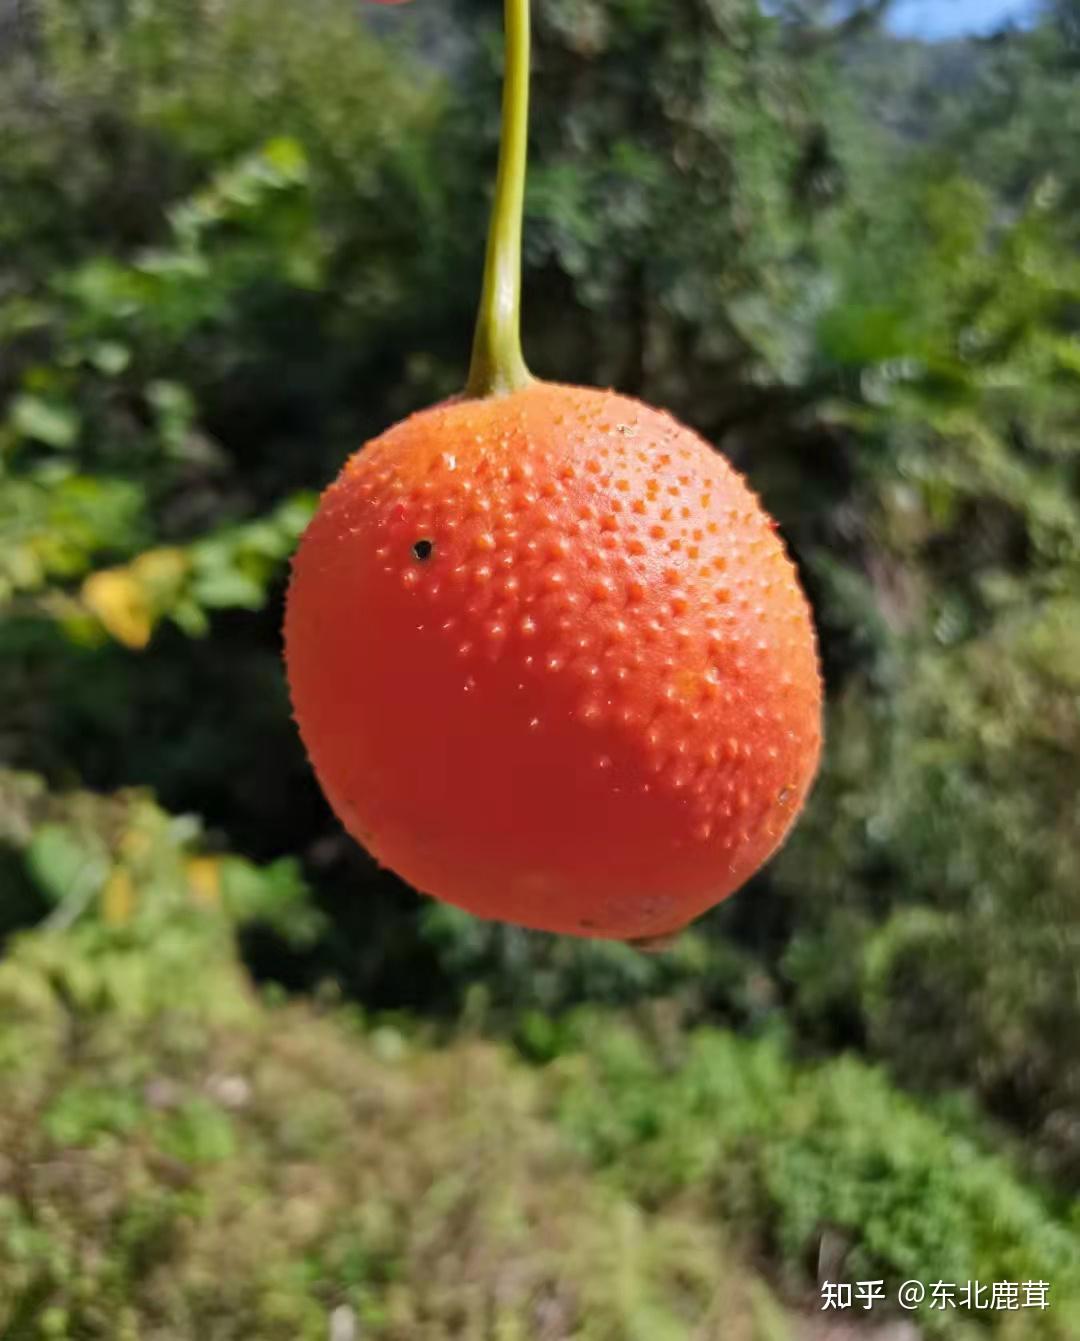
(422, 550)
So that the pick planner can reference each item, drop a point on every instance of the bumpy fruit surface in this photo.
(551, 662)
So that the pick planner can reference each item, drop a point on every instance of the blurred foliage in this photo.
(179, 1155)
(176, 1157)
(121, 863)
(238, 237)
(790, 1151)
(952, 879)
(139, 438)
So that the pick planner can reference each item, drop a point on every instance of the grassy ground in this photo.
(219, 1169)
(181, 1158)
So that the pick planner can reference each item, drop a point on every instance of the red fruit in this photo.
(552, 664)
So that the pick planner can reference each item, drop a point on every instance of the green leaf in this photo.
(45, 420)
(64, 862)
(287, 156)
(225, 588)
(110, 357)
(190, 619)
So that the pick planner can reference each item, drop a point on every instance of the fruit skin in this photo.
(593, 706)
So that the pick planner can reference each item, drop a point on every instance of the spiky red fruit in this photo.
(551, 662)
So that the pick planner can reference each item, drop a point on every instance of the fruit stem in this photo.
(497, 363)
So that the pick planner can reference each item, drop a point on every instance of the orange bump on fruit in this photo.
(552, 664)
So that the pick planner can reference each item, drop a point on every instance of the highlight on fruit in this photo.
(546, 651)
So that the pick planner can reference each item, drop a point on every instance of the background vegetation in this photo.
(253, 1087)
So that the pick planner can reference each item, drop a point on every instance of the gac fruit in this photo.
(546, 652)
(551, 662)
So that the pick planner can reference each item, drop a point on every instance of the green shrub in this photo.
(184, 1159)
(794, 1154)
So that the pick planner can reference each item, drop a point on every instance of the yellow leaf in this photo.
(118, 898)
(204, 880)
(134, 844)
(120, 603)
(160, 569)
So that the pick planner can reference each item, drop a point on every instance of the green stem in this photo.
(497, 363)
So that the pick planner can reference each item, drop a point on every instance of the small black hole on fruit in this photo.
(423, 549)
